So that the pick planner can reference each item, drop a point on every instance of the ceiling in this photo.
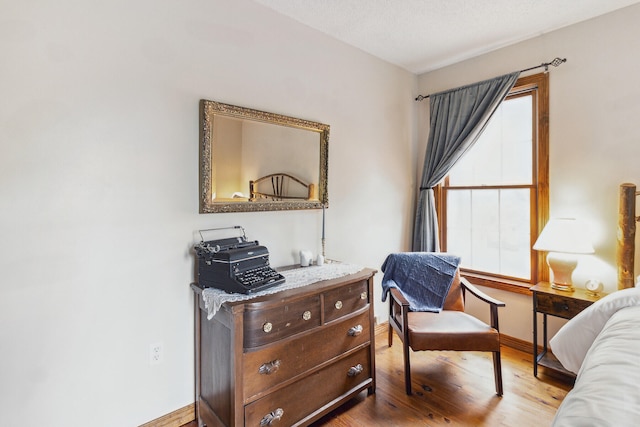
(424, 35)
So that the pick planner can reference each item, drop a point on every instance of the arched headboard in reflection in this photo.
(280, 186)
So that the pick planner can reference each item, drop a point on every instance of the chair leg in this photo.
(497, 372)
(390, 334)
(407, 368)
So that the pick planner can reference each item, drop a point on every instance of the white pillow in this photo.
(573, 340)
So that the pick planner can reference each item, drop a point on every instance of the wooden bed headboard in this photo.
(626, 235)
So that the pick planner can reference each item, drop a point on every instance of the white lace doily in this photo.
(303, 276)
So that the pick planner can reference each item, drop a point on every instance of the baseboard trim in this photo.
(381, 328)
(517, 343)
(177, 418)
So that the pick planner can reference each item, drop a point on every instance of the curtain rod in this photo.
(556, 62)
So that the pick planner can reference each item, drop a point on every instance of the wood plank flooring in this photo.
(451, 389)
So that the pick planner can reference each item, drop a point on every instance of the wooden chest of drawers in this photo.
(286, 359)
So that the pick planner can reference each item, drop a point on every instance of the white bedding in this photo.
(607, 389)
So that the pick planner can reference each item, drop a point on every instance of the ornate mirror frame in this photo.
(208, 111)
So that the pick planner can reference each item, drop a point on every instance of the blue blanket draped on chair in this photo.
(424, 278)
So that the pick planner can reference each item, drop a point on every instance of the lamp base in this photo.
(562, 287)
(562, 266)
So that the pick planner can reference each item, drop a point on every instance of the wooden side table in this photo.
(551, 302)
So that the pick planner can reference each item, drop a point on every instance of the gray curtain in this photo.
(458, 117)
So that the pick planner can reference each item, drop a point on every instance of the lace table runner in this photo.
(296, 278)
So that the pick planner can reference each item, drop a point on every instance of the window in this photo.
(495, 199)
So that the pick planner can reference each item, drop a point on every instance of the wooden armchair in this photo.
(451, 329)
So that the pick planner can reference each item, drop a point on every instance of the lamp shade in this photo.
(563, 235)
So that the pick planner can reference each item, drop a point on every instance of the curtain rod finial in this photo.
(556, 63)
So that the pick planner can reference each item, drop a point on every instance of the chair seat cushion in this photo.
(451, 330)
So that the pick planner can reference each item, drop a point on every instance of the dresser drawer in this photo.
(270, 366)
(347, 299)
(264, 326)
(303, 397)
(558, 305)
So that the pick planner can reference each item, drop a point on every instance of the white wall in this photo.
(99, 186)
(594, 137)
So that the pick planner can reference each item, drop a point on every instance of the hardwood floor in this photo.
(452, 389)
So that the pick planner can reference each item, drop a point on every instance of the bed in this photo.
(602, 344)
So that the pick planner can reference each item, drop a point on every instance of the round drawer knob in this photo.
(306, 315)
(363, 295)
(338, 305)
(267, 327)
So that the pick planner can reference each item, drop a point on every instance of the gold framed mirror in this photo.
(252, 160)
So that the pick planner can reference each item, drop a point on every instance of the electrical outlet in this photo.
(155, 354)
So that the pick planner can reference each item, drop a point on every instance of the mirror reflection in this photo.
(252, 160)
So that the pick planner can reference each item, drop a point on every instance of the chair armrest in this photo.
(479, 294)
(399, 298)
(398, 315)
(493, 303)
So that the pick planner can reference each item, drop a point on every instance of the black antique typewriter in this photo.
(235, 265)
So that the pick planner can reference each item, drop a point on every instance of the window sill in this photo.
(503, 284)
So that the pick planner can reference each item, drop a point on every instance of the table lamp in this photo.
(563, 238)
